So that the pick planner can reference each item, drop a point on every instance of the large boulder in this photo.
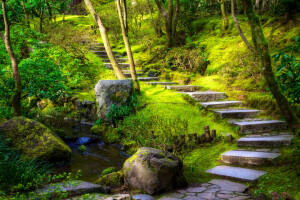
(35, 140)
(154, 171)
(109, 92)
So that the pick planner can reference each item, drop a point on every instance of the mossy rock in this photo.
(115, 179)
(130, 147)
(101, 129)
(108, 170)
(35, 140)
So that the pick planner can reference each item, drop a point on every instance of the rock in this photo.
(142, 197)
(109, 92)
(35, 140)
(75, 188)
(227, 137)
(153, 171)
(152, 73)
(115, 179)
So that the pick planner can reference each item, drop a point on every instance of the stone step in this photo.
(184, 88)
(236, 173)
(105, 56)
(97, 48)
(207, 96)
(161, 83)
(119, 60)
(128, 75)
(128, 71)
(239, 114)
(122, 65)
(236, 157)
(271, 141)
(221, 104)
(148, 78)
(257, 126)
(101, 52)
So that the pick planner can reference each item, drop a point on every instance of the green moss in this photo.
(82, 148)
(115, 179)
(108, 170)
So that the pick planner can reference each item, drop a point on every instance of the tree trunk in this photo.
(225, 21)
(239, 28)
(124, 27)
(169, 24)
(263, 50)
(49, 10)
(25, 13)
(175, 20)
(105, 39)
(152, 20)
(16, 97)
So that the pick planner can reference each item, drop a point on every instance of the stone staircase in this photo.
(259, 145)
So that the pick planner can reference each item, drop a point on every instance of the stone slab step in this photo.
(128, 71)
(105, 56)
(184, 88)
(148, 78)
(161, 83)
(122, 65)
(239, 114)
(102, 52)
(119, 60)
(128, 75)
(236, 157)
(236, 173)
(256, 126)
(272, 141)
(207, 96)
(221, 104)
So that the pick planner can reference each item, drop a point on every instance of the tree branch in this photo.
(162, 10)
(2, 36)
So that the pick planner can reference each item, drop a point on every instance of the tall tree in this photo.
(16, 98)
(239, 28)
(105, 39)
(225, 20)
(25, 13)
(170, 19)
(122, 10)
(262, 48)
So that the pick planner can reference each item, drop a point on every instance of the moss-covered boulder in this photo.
(154, 171)
(115, 179)
(35, 140)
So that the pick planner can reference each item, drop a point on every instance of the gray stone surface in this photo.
(192, 198)
(161, 83)
(239, 114)
(248, 127)
(208, 196)
(237, 173)
(272, 141)
(148, 78)
(119, 60)
(221, 104)
(184, 88)
(142, 197)
(229, 186)
(153, 170)
(75, 188)
(128, 75)
(109, 92)
(248, 157)
(207, 96)
(121, 65)
(128, 71)
(196, 189)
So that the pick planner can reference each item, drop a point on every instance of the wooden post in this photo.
(202, 138)
(214, 134)
(207, 133)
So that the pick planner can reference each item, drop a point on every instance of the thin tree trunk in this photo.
(25, 12)
(263, 50)
(49, 10)
(152, 20)
(16, 97)
(169, 24)
(124, 27)
(175, 20)
(239, 28)
(105, 39)
(225, 21)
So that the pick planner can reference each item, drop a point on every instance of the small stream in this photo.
(97, 157)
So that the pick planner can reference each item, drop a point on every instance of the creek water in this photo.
(97, 157)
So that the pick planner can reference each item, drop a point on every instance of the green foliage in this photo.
(17, 173)
(82, 148)
(288, 71)
(119, 112)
